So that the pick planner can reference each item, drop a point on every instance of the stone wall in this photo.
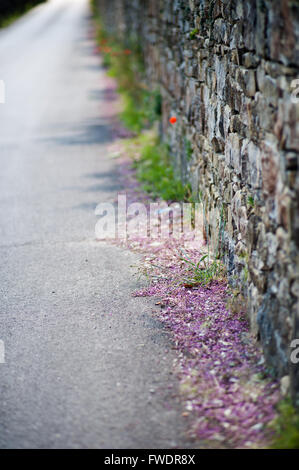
(226, 70)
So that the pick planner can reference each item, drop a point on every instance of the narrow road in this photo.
(86, 366)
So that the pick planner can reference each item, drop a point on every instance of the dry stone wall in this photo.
(227, 70)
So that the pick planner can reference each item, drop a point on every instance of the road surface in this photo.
(86, 366)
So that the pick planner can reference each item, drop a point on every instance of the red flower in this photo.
(172, 120)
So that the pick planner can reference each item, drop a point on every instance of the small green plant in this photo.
(202, 272)
(250, 201)
(286, 426)
(193, 33)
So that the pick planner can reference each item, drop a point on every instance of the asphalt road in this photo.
(86, 365)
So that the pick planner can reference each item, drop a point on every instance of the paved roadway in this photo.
(86, 364)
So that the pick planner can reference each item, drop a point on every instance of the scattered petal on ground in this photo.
(221, 368)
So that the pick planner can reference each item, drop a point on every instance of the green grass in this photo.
(202, 272)
(152, 162)
(287, 426)
(141, 106)
(125, 63)
(141, 109)
(142, 116)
